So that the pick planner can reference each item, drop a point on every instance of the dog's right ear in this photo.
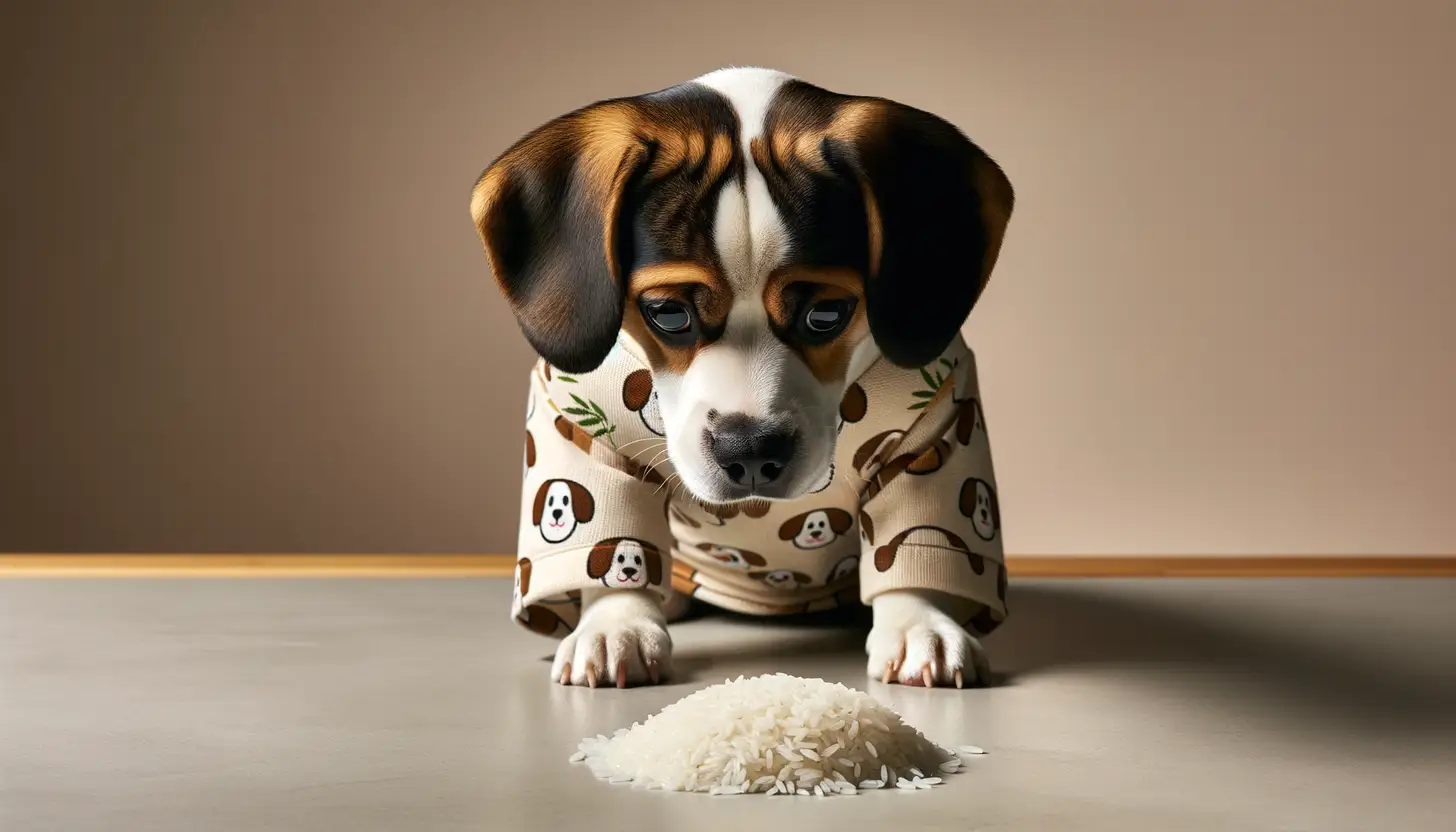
(549, 213)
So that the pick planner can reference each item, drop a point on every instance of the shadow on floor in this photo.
(1063, 627)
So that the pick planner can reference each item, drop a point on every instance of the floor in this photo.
(362, 705)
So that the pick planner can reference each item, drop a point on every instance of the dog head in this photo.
(734, 557)
(978, 502)
(759, 241)
(816, 529)
(561, 505)
(782, 578)
(625, 563)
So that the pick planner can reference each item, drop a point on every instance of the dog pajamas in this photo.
(908, 503)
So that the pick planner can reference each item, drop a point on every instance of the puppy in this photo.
(751, 288)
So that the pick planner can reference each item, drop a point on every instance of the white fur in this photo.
(911, 633)
(621, 636)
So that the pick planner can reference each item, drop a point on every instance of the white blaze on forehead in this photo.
(749, 233)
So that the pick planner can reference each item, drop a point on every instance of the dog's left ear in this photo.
(548, 211)
(654, 563)
(936, 207)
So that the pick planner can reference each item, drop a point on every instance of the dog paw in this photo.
(914, 643)
(622, 641)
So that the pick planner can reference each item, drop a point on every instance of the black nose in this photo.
(749, 450)
(556, 514)
(629, 571)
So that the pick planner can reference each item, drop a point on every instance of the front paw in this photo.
(914, 643)
(620, 641)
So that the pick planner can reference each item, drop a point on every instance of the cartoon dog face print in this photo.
(625, 563)
(523, 577)
(970, 421)
(927, 537)
(853, 406)
(782, 578)
(640, 398)
(843, 569)
(816, 529)
(734, 557)
(561, 506)
(978, 502)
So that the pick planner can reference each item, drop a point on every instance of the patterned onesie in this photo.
(909, 502)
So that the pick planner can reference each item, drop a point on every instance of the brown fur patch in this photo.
(523, 575)
(530, 449)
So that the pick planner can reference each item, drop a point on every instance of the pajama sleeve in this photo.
(591, 517)
(929, 516)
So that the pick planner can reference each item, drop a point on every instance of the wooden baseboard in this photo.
(444, 566)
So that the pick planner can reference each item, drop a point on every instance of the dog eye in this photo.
(828, 317)
(621, 558)
(669, 317)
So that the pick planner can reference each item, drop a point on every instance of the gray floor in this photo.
(389, 705)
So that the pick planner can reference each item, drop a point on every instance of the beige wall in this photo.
(243, 307)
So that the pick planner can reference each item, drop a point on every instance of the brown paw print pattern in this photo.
(625, 563)
(886, 555)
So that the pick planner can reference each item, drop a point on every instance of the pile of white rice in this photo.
(774, 734)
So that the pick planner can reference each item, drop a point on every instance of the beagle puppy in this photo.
(747, 292)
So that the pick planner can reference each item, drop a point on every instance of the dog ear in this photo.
(599, 562)
(801, 578)
(637, 389)
(968, 497)
(854, 405)
(885, 555)
(936, 209)
(753, 558)
(654, 563)
(868, 526)
(790, 529)
(582, 504)
(966, 420)
(538, 508)
(530, 449)
(932, 460)
(549, 212)
(523, 572)
(839, 520)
